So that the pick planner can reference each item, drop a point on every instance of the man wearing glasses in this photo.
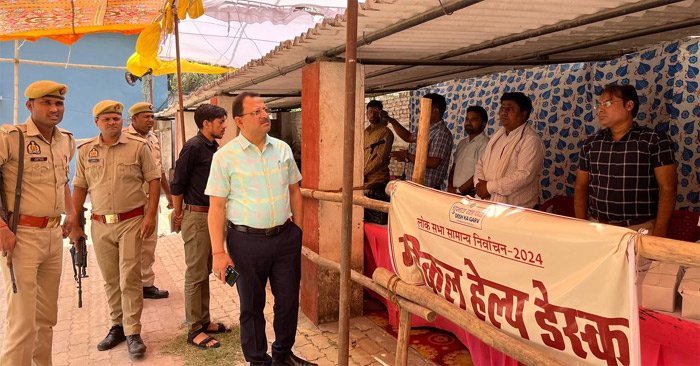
(510, 168)
(253, 191)
(627, 173)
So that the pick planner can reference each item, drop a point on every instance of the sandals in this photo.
(203, 344)
(221, 328)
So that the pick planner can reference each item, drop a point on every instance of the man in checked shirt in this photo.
(627, 172)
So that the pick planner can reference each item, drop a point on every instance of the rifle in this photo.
(79, 259)
(12, 220)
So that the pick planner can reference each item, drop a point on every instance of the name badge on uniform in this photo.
(33, 148)
(94, 160)
(39, 158)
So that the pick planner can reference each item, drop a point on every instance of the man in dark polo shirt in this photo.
(191, 207)
(627, 172)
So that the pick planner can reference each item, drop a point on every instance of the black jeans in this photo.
(258, 258)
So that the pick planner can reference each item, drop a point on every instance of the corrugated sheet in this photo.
(489, 29)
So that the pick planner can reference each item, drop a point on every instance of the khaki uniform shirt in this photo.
(152, 142)
(114, 175)
(378, 142)
(45, 168)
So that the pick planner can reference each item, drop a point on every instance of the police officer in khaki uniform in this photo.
(142, 120)
(35, 252)
(113, 168)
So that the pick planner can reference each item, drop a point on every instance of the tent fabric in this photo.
(66, 21)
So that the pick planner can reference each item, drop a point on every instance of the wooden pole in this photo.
(61, 64)
(348, 164)
(486, 332)
(363, 201)
(403, 337)
(668, 250)
(419, 165)
(180, 103)
(367, 282)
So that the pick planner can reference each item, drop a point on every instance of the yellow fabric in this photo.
(139, 65)
(43, 88)
(147, 43)
(34, 19)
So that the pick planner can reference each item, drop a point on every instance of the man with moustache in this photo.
(35, 250)
(142, 120)
(190, 214)
(113, 168)
(378, 142)
(468, 152)
(627, 173)
(254, 185)
(511, 167)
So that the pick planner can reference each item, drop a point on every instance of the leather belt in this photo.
(195, 208)
(630, 222)
(115, 218)
(273, 231)
(39, 222)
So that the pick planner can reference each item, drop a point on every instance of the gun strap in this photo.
(18, 190)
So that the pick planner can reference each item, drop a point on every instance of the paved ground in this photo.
(79, 330)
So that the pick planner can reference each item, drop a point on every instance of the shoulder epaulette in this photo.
(64, 131)
(87, 141)
(137, 138)
(8, 128)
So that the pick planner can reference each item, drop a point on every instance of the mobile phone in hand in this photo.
(231, 276)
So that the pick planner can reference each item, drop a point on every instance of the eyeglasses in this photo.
(605, 104)
(256, 112)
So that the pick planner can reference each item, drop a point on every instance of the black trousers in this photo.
(258, 258)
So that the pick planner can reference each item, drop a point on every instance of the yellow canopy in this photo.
(66, 21)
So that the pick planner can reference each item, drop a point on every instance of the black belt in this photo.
(630, 222)
(267, 232)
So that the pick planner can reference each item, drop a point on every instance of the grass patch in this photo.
(228, 353)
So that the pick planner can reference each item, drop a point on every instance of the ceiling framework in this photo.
(408, 44)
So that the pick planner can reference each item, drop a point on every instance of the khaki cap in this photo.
(45, 88)
(107, 106)
(140, 107)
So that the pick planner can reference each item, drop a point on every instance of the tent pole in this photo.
(15, 111)
(181, 109)
(348, 154)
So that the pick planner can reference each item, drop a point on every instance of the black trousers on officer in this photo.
(258, 258)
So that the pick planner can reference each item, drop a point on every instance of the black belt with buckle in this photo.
(273, 231)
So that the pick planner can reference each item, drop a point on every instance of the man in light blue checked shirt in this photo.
(255, 180)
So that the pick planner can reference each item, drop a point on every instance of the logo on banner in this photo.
(471, 215)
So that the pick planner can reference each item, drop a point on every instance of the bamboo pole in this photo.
(421, 159)
(61, 64)
(15, 110)
(367, 282)
(363, 201)
(181, 108)
(348, 155)
(486, 332)
(403, 337)
(668, 250)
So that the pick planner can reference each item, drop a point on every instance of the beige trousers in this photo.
(148, 256)
(195, 233)
(118, 252)
(32, 311)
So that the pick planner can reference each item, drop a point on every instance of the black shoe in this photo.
(291, 360)
(113, 338)
(153, 292)
(136, 347)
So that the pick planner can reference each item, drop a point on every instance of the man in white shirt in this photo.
(509, 171)
(468, 152)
